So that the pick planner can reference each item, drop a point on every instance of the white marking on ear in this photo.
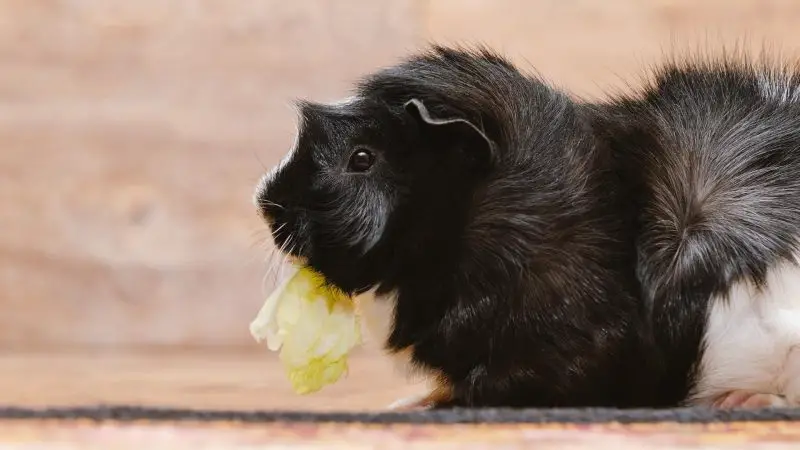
(426, 116)
(752, 340)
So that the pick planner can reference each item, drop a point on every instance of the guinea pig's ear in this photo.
(454, 131)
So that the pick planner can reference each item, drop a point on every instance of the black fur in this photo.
(545, 252)
(711, 150)
(504, 240)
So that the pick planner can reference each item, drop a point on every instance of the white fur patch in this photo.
(377, 315)
(753, 340)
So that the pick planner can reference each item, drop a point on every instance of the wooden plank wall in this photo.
(132, 133)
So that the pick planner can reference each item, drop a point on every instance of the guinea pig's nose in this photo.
(265, 201)
(271, 211)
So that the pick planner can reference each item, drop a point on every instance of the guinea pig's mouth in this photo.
(285, 226)
(288, 245)
(291, 256)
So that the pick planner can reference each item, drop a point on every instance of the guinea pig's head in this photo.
(367, 181)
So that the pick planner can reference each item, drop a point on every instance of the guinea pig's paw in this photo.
(414, 402)
(749, 400)
(428, 400)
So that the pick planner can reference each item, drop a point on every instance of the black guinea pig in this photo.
(484, 228)
(524, 248)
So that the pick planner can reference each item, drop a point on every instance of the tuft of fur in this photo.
(711, 150)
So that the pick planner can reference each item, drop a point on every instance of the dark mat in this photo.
(454, 416)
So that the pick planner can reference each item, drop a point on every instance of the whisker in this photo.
(278, 230)
(274, 264)
(272, 237)
(260, 239)
(264, 284)
(261, 245)
(271, 263)
(271, 203)
(278, 268)
(273, 252)
(285, 264)
(258, 158)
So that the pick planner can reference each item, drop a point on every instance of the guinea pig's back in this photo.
(713, 158)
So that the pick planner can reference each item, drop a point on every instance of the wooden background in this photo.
(132, 134)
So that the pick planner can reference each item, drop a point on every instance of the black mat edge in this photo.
(123, 413)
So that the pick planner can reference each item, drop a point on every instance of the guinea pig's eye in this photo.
(361, 160)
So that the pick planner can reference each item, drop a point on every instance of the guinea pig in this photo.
(710, 150)
(477, 218)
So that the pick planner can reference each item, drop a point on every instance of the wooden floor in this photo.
(188, 378)
(248, 380)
